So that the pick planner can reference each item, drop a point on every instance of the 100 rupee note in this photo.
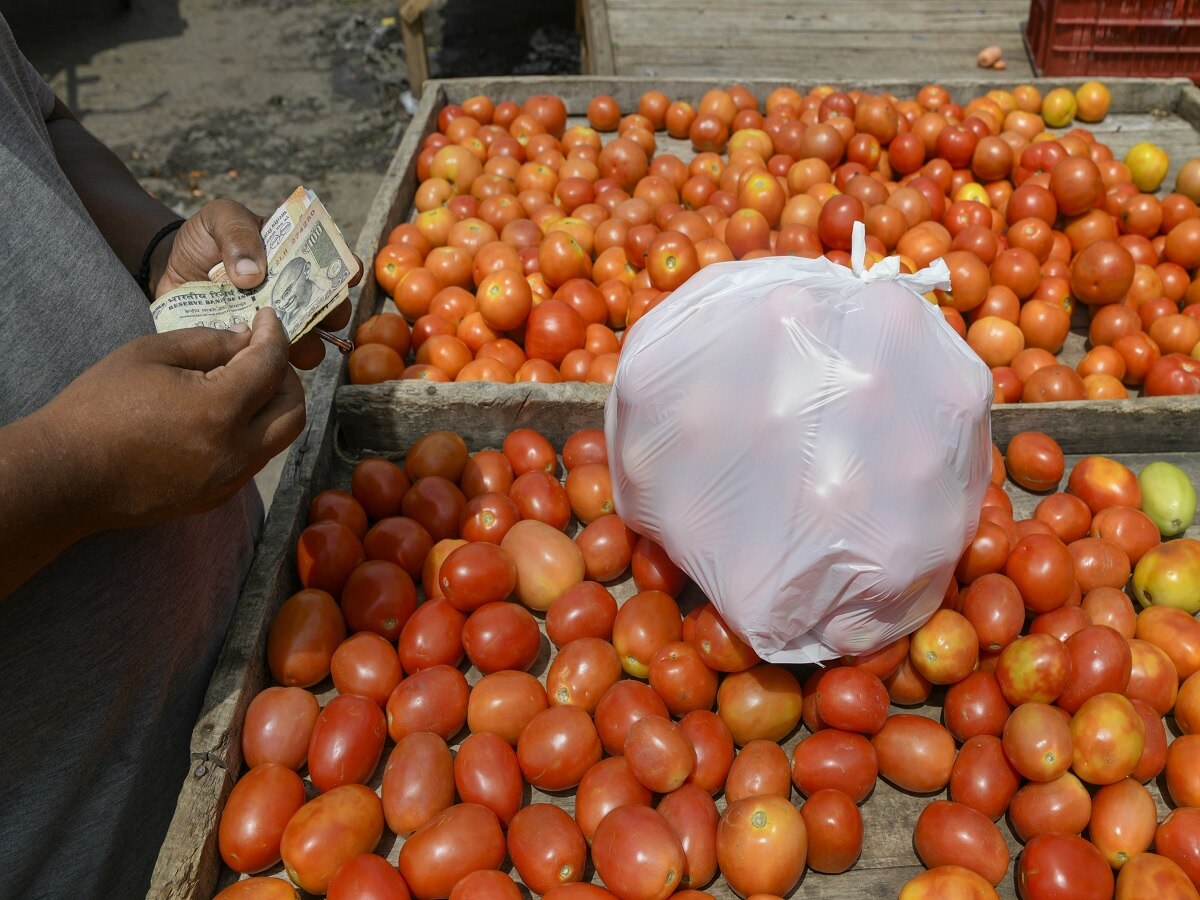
(309, 268)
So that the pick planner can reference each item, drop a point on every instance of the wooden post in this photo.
(412, 26)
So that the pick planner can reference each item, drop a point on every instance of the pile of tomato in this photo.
(449, 619)
(536, 243)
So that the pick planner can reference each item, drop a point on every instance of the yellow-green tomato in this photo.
(1168, 497)
(1169, 575)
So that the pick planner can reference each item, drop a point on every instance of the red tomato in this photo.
(589, 491)
(546, 847)
(678, 675)
(278, 726)
(947, 881)
(587, 445)
(1100, 662)
(659, 755)
(842, 760)
(486, 772)
(1178, 838)
(1042, 570)
(834, 828)
(760, 767)
(326, 554)
(720, 648)
(336, 505)
(1033, 668)
(259, 889)
(433, 699)
(622, 705)
(852, 699)
(1061, 805)
(975, 706)
(476, 574)
(952, 834)
(347, 742)
(255, 815)
(762, 845)
(500, 636)
(713, 744)
(586, 609)
(1123, 821)
(487, 472)
(557, 747)
(401, 540)
(761, 702)
(486, 884)
(1182, 774)
(643, 625)
(503, 703)
(540, 496)
(432, 637)
(605, 786)
(581, 673)
(302, 638)
(1174, 373)
(1037, 741)
(454, 843)
(379, 596)
(636, 852)
(379, 485)
(488, 516)
(418, 781)
(367, 665)
(327, 831)
(653, 570)
(1154, 875)
(982, 777)
(367, 877)
(607, 545)
(1064, 866)
(693, 816)
(915, 753)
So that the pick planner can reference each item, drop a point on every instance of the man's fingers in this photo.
(197, 349)
(307, 352)
(280, 421)
(338, 317)
(357, 277)
(256, 373)
(236, 232)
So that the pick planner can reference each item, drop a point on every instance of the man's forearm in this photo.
(126, 215)
(40, 515)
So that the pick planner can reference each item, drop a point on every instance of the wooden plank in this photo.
(415, 52)
(411, 10)
(596, 39)
(384, 418)
(1116, 426)
(190, 870)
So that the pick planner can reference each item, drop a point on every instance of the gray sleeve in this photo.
(24, 76)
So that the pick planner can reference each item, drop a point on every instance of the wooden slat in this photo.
(415, 53)
(597, 41)
(410, 10)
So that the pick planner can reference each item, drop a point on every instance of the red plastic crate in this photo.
(1148, 38)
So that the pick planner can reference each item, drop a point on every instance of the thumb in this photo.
(235, 230)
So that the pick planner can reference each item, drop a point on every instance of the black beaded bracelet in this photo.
(143, 277)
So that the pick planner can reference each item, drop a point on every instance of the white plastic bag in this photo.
(810, 443)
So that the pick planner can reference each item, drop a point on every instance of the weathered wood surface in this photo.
(595, 40)
(929, 39)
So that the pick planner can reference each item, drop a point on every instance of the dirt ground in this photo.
(248, 98)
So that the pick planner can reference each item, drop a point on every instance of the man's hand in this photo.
(176, 423)
(225, 231)
(166, 425)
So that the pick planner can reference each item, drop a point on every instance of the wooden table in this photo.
(864, 39)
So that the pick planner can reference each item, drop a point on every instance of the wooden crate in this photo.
(385, 422)
(346, 422)
(1166, 111)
